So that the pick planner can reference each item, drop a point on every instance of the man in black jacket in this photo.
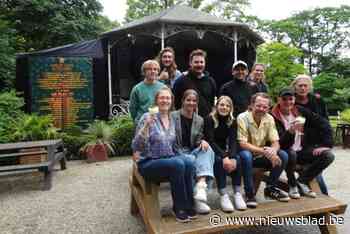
(307, 137)
(198, 79)
(239, 89)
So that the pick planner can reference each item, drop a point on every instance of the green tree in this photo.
(334, 89)
(7, 55)
(230, 9)
(334, 64)
(318, 33)
(281, 66)
(10, 110)
(48, 23)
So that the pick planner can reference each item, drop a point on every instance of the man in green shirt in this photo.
(142, 95)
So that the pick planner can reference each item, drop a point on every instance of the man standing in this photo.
(307, 137)
(238, 89)
(142, 94)
(198, 79)
(258, 139)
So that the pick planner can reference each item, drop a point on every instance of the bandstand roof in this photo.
(184, 18)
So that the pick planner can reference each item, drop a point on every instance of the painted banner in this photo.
(62, 88)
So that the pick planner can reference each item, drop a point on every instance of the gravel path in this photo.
(94, 198)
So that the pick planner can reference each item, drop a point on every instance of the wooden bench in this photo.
(145, 201)
(52, 150)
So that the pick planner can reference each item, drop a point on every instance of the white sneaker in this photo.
(305, 190)
(226, 204)
(201, 207)
(201, 192)
(294, 192)
(239, 201)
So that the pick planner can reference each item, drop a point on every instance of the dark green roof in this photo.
(180, 14)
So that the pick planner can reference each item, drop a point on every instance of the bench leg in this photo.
(152, 209)
(63, 163)
(327, 228)
(134, 209)
(47, 179)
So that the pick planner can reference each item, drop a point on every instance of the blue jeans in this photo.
(322, 184)
(179, 171)
(248, 162)
(203, 161)
(221, 174)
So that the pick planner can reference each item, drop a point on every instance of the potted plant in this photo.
(99, 141)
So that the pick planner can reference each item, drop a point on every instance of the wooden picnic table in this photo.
(52, 149)
(344, 130)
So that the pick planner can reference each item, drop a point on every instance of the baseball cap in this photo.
(286, 92)
(239, 62)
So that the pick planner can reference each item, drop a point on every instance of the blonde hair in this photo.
(253, 68)
(147, 64)
(300, 77)
(215, 114)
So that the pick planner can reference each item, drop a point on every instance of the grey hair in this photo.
(300, 77)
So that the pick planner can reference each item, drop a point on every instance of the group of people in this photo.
(189, 137)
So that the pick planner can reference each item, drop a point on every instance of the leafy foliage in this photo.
(32, 128)
(7, 55)
(334, 89)
(318, 33)
(345, 116)
(10, 109)
(65, 21)
(123, 133)
(230, 9)
(73, 139)
(281, 66)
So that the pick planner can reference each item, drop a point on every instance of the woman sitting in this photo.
(189, 142)
(221, 133)
(153, 146)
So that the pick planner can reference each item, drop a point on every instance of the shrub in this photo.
(124, 132)
(32, 128)
(10, 109)
(345, 115)
(73, 139)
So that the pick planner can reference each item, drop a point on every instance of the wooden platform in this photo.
(145, 201)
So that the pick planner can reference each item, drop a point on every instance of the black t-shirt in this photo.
(204, 86)
(240, 93)
(186, 125)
